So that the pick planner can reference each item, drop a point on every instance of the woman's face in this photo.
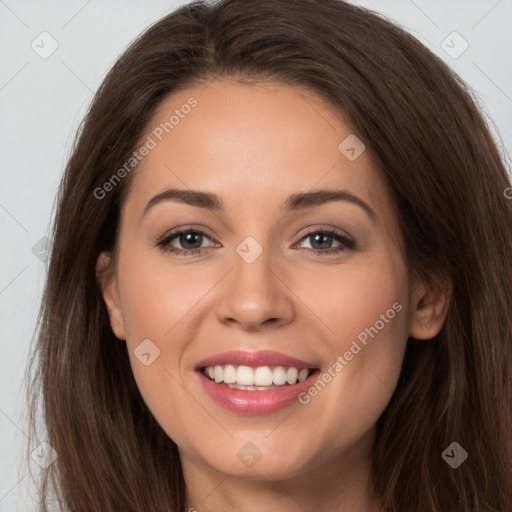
(282, 264)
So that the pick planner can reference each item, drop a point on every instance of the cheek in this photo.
(157, 304)
(369, 321)
(155, 295)
(357, 298)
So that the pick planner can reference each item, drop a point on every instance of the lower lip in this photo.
(255, 402)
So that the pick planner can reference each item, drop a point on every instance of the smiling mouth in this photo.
(261, 378)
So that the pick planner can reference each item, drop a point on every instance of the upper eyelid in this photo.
(185, 229)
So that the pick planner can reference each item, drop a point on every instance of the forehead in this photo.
(252, 143)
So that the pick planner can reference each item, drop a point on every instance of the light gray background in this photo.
(43, 100)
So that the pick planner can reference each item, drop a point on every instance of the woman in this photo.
(368, 370)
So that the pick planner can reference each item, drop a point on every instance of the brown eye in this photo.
(321, 242)
(189, 240)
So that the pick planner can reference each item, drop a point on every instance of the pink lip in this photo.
(254, 359)
(254, 402)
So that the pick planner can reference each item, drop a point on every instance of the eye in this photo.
(191, 241)
(322, 239)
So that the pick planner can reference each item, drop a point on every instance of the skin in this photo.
(254, 145)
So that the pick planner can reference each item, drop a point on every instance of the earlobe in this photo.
(429, 309)
(108, 284)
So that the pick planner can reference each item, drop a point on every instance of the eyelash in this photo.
(347, 243)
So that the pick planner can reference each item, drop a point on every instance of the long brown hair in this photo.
(424, 130)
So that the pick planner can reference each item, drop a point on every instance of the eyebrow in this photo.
(295, 202)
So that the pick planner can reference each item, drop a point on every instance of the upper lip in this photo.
(254, 359)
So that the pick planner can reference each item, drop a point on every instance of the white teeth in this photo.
(219, 374)
(279, 377)
(303, 374)
(291, 375)
(230, 374)
(245, 375)
(262, 377)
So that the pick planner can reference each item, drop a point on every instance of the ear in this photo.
(428, 308)
(107, 281)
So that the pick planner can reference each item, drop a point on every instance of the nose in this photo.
(255, 296)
